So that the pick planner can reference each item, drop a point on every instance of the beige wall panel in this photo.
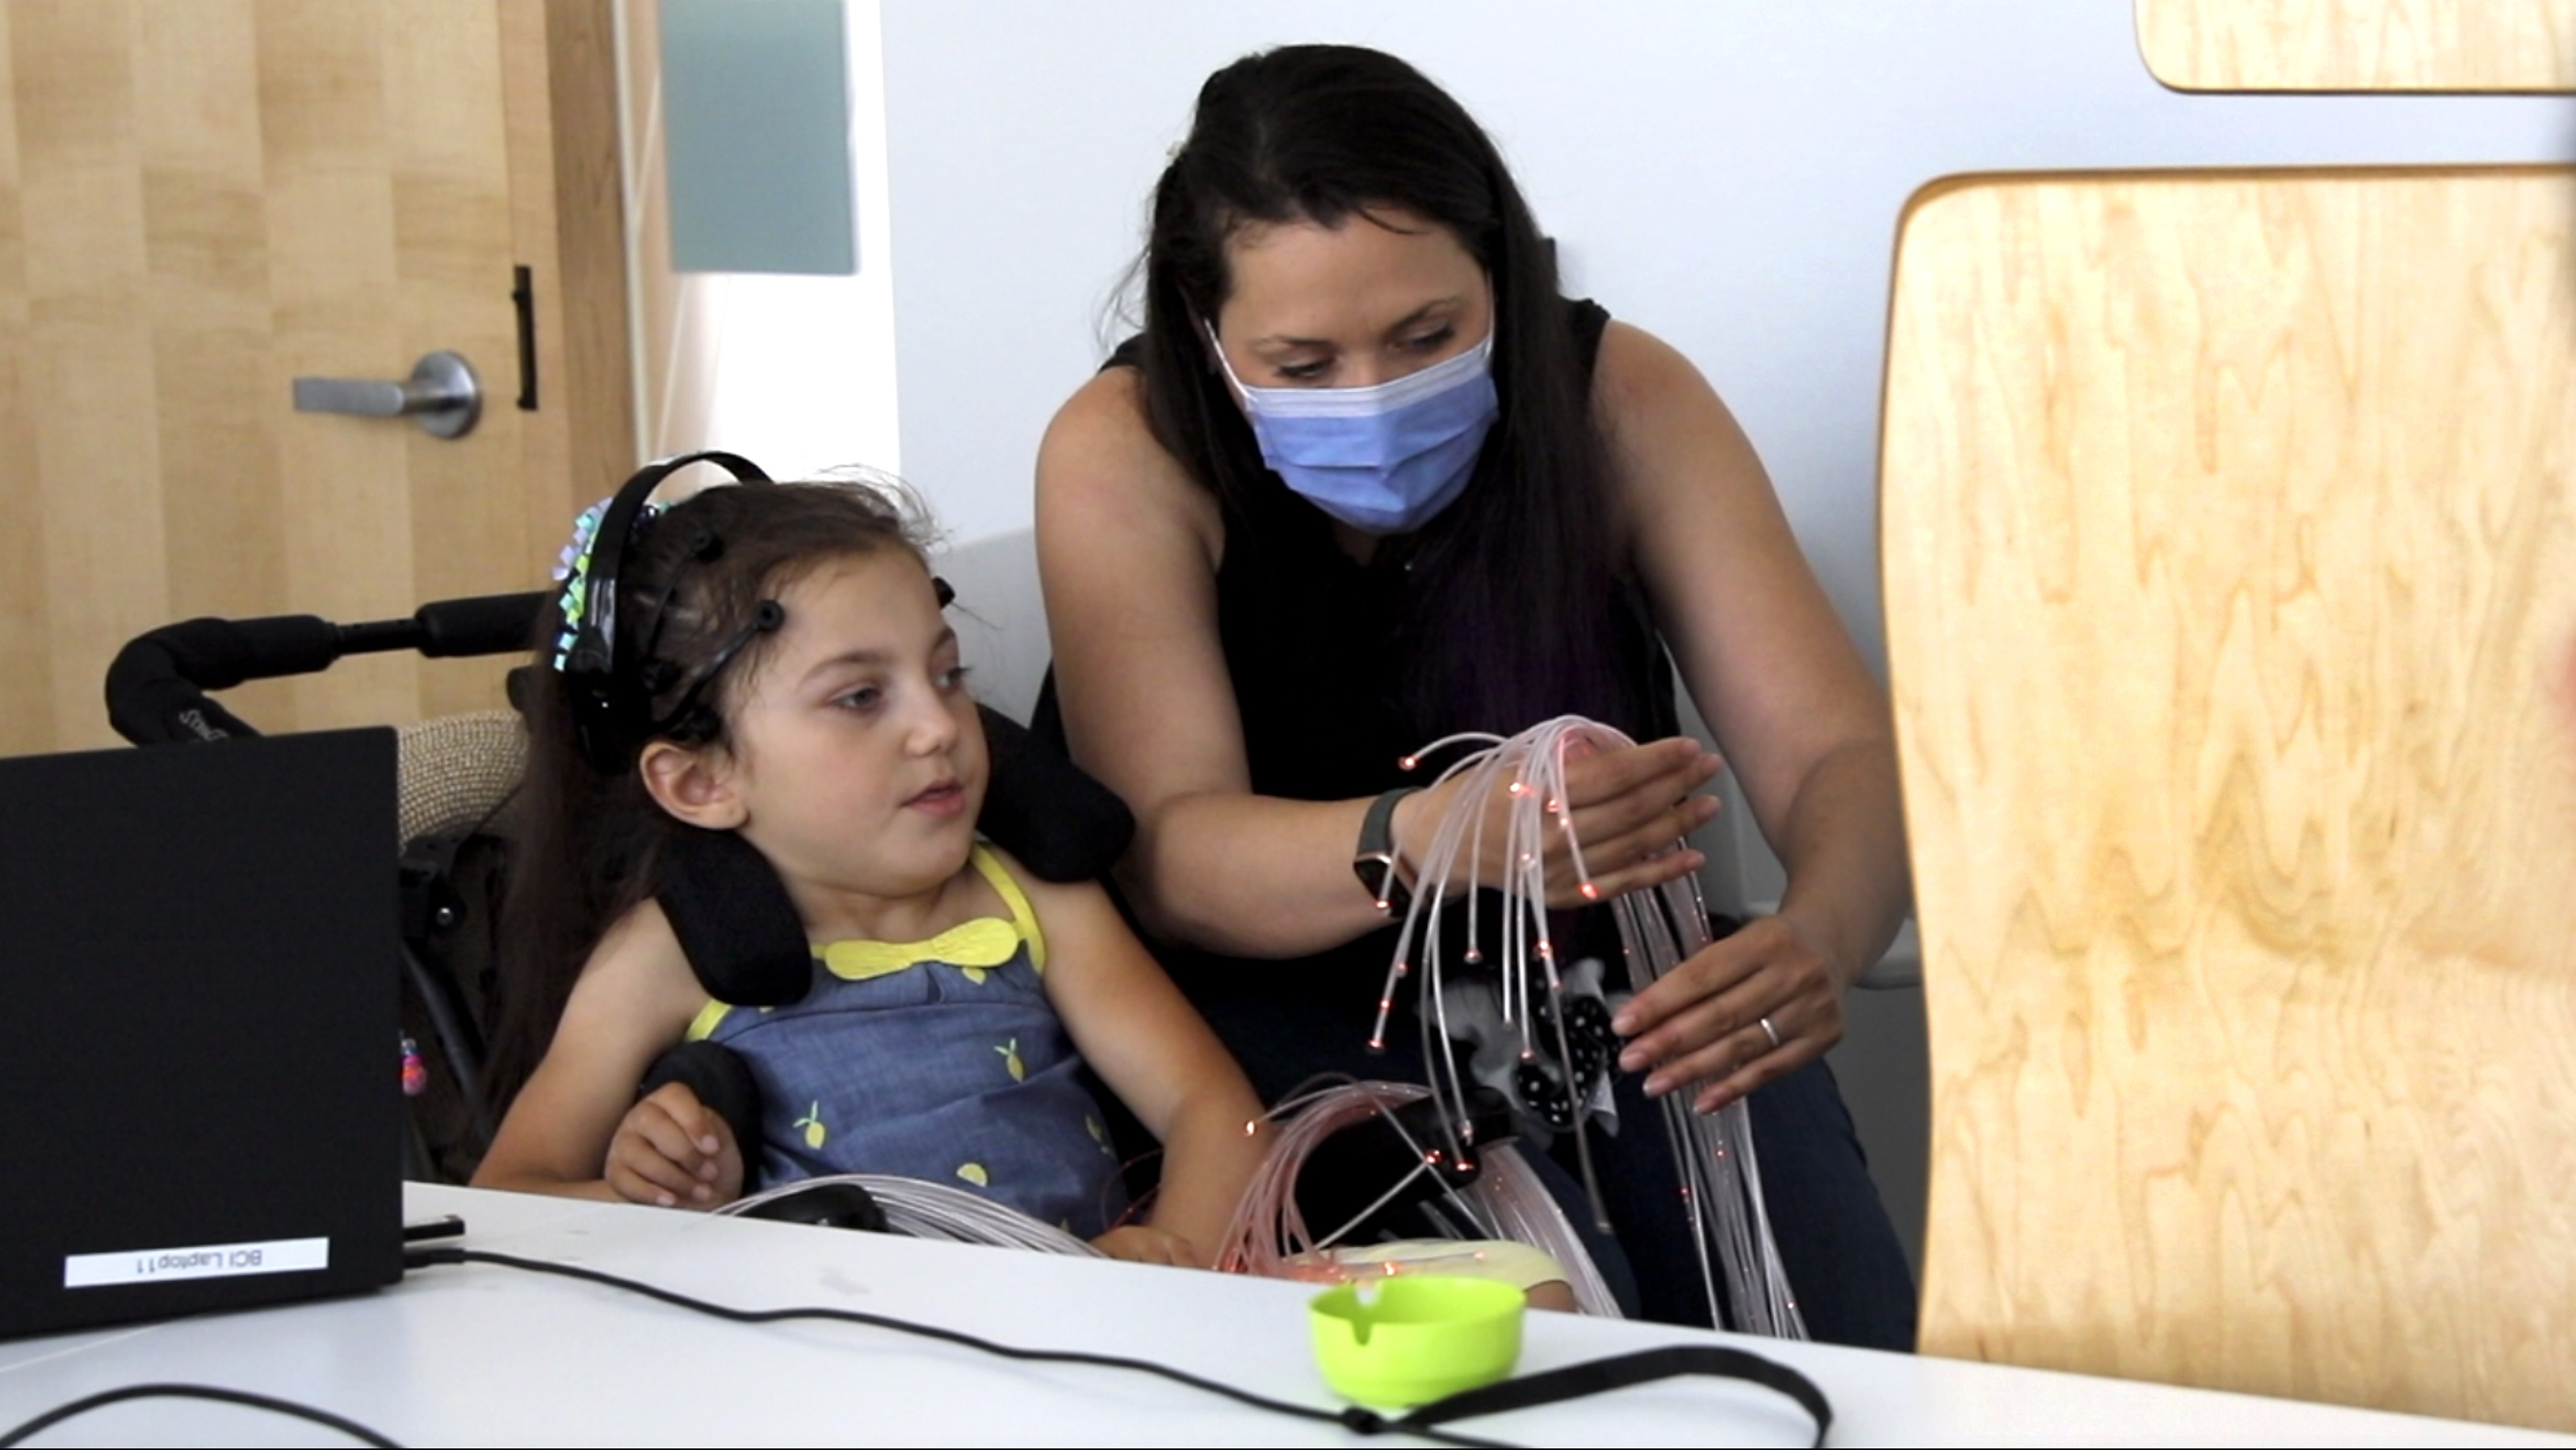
(452, 226)
(89, 391)
(545, 445)
(595, 382)
(205, 216)
(560, 73)
(200, 202)
(2360, 45)
(2231, 591)
(333, 267)
(26, 653)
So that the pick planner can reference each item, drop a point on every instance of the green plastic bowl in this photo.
(1418, 1338)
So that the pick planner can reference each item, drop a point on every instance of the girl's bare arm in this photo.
(1155, 1052)
(634, 999)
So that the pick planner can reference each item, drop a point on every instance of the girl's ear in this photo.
(693, 785)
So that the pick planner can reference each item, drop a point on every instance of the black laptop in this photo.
(200, 1051)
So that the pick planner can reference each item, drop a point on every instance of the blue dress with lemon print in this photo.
(939, 1060)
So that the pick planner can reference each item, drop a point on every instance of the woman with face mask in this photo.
(1366, 478)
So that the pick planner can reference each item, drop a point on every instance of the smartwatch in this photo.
(1375, 862)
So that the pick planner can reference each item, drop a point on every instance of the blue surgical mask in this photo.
(1384, 459)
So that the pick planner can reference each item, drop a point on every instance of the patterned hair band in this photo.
(572, 570)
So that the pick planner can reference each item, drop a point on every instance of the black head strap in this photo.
(610, 708)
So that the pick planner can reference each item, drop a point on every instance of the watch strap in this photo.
(1374, 861)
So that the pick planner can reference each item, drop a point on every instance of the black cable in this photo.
(1366, 1422)
(60, 1413)
(1573, 1381)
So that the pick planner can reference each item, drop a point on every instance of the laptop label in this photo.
(207, 1261)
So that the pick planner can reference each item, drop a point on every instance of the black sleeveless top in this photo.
(1316, 650)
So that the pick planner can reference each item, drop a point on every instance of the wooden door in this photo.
(201, 200)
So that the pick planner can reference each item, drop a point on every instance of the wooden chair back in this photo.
(2230, 551)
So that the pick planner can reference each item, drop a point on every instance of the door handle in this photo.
(442, 395)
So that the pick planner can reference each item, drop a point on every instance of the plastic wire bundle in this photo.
(1659, 928)
(924, 1210)
(1270, 1237)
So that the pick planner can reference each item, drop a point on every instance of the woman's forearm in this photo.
(1251, 876)
(1842, 841)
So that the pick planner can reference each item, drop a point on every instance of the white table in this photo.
(491, 1356)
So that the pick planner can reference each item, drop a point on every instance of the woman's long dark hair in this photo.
(588, 841)
(1510, 585)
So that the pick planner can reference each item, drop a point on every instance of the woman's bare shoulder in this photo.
(1101, 467)
(1674, 443)
(1640, 380)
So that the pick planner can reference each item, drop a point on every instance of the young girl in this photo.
(800, 686)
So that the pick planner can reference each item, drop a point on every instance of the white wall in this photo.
(1725, 173)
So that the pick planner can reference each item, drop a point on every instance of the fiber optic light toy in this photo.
(1498, 1217)
(1659, 928)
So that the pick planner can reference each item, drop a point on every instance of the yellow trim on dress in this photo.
(704, 1025)
(1022, 915)
(972, 946)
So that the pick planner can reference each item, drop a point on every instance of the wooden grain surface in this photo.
(200, 202)
(2230, 564)
(560, 93)
(2360, 45)
(26, 642)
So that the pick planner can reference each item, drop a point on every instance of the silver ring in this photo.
(1771, 1032)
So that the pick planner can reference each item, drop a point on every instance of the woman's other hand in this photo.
(1755, 1006)
(1629, 804)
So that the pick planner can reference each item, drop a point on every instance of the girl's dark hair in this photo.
(1331, 134)
(588, 841)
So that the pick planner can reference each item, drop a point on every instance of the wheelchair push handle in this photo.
(156, 687)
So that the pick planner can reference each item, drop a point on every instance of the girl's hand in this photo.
(672, 1150)
(1142, 1243)
(1703, 1021)
(1629, 803)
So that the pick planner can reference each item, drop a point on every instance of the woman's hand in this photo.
(1630, 804)
(673, 1151)
(1705, 1021)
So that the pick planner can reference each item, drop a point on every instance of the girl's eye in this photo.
(863, 698)
(953, 678)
